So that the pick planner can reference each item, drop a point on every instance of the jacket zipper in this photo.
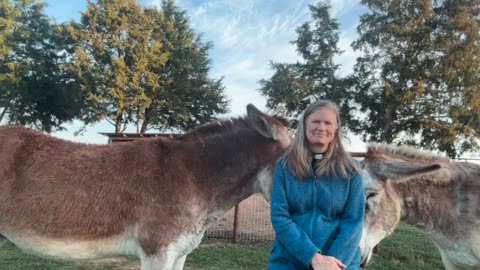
(312, 220)
(330, 215)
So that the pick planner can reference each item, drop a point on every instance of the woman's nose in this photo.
(322, 125)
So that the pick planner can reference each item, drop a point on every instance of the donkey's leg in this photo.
(162, 260)
(184, 245)
(179, 263)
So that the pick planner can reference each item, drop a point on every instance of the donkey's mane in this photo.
(221, 126)
(403, 152)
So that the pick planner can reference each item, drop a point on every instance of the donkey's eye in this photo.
(371, 195)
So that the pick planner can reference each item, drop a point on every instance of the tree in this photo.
(417, 82)
(7, 22)
(185, 96)
(458, 37)
(294, 86)
(35, 90)
(141, 65)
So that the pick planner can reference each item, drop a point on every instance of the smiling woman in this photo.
(321, 129)
(318, 198)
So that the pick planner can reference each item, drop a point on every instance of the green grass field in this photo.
(406, 249)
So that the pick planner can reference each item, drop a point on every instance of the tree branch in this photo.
(110, 121)
(3, 113)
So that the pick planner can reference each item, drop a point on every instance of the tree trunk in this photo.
(387, 128)
(138, 121)
(118, 122)
(146, 120)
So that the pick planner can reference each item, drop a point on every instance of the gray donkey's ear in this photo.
(265, 124)
(401, 170)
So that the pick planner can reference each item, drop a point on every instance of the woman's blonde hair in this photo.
(336, 161)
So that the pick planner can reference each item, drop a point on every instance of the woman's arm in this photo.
(293, 238)
(347, 241)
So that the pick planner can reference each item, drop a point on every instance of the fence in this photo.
(249, 221)
(252, 225)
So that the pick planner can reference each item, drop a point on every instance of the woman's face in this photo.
(320, 129)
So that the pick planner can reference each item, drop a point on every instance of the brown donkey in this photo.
(440, 197)
(151, 198)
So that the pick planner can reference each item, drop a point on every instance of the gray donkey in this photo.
(438, 196)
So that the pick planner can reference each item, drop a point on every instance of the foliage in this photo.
(186, 96)
(143, 65)
(294, 86)
(35, 88)
(417, 82)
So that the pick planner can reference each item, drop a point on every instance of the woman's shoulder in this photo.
(281, 162)
(356, 161)
(354, 170)
(282, 166)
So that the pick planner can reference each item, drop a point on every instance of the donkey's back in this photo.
(65, 199)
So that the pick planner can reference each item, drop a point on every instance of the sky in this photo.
(246, 36)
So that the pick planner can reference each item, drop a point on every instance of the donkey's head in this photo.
(274, 129)
(382, 167)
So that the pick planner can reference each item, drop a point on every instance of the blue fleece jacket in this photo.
(316, 214)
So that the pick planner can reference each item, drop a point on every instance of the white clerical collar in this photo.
(317, 156)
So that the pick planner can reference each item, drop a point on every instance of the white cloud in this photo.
(245, 24)
(241, 96)
(285, 53)
(348, 58)
(342, 7)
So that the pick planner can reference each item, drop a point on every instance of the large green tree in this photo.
(143, 65)
(186, 96)
(417, 82)
(294, 86)
(35, 89)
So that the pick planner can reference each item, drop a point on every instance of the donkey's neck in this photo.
(427, 205)
(234, 165)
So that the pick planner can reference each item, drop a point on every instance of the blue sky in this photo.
(247, 35)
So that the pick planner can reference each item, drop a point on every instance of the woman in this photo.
(318, 198)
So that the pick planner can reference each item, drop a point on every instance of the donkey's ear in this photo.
(403, 170)
(265, 124)
(261, 122)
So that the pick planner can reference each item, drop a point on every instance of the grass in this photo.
(406, 249)
(229, 256)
